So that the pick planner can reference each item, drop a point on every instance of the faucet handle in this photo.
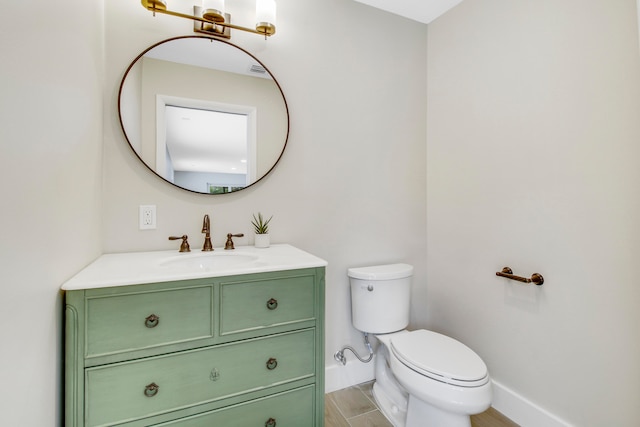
(229, 244)
(184, 246)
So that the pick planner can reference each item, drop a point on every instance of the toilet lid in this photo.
(440, 357)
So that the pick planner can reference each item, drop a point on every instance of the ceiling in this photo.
(220, 56)
(419, 10)
(200, 140)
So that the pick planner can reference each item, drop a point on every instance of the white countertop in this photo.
(160, 266)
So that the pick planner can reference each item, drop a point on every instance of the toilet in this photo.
(422, 378)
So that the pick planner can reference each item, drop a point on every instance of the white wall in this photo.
(51, 182)
(533, 148)
(350, 186)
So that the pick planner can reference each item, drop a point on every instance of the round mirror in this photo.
(203, 114)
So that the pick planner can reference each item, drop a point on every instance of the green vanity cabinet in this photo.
(238, 350)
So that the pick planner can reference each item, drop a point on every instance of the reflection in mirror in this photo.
(209, 145)
(203, 114)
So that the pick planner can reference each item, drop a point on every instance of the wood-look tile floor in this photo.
(355, 407)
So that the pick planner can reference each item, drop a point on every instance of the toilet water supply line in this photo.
(340, 357)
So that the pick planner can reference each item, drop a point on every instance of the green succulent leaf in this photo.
(260, 225)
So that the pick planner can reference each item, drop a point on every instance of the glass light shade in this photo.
(266, 11)
(213, 10)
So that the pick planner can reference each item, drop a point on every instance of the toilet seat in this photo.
(440, 357)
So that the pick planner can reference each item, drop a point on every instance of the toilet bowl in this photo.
(423, 378)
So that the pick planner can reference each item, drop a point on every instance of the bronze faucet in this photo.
(229, 244)
(206, 228)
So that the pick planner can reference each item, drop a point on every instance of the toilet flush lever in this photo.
(370, 288)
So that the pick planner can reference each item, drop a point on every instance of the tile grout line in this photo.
(366, 396)
(371, 399)
(335, 405)
(364, 413)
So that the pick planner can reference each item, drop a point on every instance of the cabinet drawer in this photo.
(264, 303)
(289, 409)
(127, 391)
(130, 321)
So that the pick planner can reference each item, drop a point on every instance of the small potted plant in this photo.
(261, 228)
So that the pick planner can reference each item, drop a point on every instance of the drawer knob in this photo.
(215, 374)
(271, 422)
(272, 364)
(272, 304)
(151, 321)
(151, 390)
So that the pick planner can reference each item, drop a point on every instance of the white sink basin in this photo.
(208, 261)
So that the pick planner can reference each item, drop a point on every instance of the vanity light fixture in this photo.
(210, 17)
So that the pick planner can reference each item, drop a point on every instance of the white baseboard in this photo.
(354, 372)
(522, 411)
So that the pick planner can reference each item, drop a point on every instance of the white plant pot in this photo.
(262, 241)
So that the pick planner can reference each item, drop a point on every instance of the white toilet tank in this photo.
(380, 297)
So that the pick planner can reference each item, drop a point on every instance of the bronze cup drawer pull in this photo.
(151, 390)
(272, 304)
(151, 321)
(271, 422)
(272, 364)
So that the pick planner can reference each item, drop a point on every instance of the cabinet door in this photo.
(289, 409)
